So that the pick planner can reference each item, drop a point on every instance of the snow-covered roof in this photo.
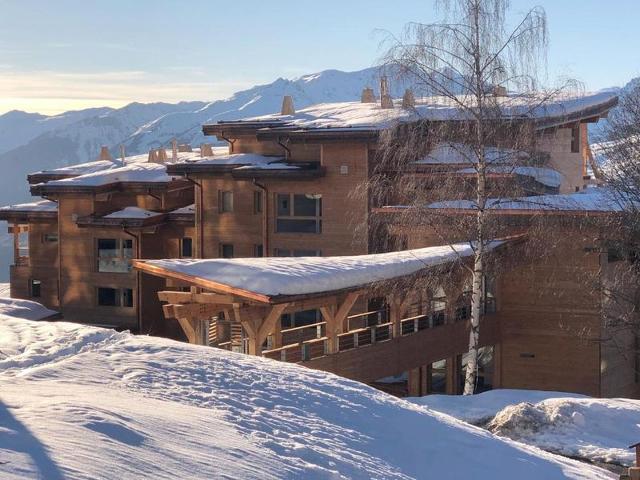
(80, 169)
(133, 173)
(39, 206)
(436, 108)
(591, 200)
(189, 209)
(278, 276)
(133, 213)
(545, 176)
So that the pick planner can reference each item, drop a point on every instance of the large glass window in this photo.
(438, 306)
(298, 213)
(115, 297)
(35, 287)
(226, 250)
(114, 255)
(484, 379)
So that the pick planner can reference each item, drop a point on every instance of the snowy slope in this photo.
(596, 430)
(80, 402)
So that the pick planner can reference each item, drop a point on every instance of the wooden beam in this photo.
(270, 321)
(188, 297)
(344, 310)
(189, 329)
(195, 310)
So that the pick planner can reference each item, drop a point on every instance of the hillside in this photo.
(77, 402)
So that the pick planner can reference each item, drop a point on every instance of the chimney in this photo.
(287, 106)
(206, 150)
(162, 155)
(184, 147)
(368, 96)
(174, 150)
(500, 91)
(385, 98)
(122, 155)
(104, 154)
(408, 100)
(153, 156)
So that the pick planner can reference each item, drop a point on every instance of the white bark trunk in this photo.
(476, 304)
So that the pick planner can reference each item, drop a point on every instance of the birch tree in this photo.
(466, 62)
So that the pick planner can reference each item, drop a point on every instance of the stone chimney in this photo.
(500, 91)
(162, 155)
(206, 150)
(153, 156)
(385, 98)
(184, 147)
(287, 106)
(174, 150)
(104, 154)
(368, 96)
(408, 100)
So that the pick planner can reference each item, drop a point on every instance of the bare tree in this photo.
(465, 65)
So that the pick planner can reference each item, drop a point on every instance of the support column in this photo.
(417, 381)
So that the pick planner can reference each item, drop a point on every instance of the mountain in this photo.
(31, 142)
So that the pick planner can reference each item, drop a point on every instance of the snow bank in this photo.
(81, 402)
(598, 430)
(274, 276)
(481, 408)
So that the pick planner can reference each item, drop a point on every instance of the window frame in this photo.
(120, 249)
(182, 245)
(120, 296)
(38, 289)
(291, 216)
(221, 250)
(258, 202)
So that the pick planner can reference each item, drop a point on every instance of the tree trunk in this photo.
(474, 334)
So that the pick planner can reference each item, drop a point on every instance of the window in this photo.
(257, 201)
(286, 252)
(575, 140)
(114, 255)
(35, 288)
(186, 248)
(298, 213)
(438, 377)
(484, 379)
(226, 250)
(258, 251)
(300, 319)
(225, 201)
(438, 306)
(115, 297)
(50, 237)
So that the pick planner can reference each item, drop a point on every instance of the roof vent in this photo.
(500, 91)
(206, 150)
(408, 100)
(287, 106)
(385, 97)
(367, 95)
(104, 154)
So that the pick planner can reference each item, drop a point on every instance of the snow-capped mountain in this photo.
(31, 142)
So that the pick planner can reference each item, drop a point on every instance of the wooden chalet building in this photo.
(290, 185)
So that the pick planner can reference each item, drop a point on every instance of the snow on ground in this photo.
(83, 402)
(597, 430)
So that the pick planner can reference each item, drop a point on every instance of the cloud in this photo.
(53, 92)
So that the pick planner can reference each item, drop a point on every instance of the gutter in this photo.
(265, 218)
(198, 219)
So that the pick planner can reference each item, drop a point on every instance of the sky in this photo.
(71, 54)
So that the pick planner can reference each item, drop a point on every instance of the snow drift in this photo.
(83, 402)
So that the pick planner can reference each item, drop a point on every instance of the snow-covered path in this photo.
(82, 402)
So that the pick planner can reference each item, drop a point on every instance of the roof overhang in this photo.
(25, 216)
(133, 187)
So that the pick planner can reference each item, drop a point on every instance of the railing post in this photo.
(355, 340)
(283, 355)
(415, 325)
(305, 352)
(373, 334)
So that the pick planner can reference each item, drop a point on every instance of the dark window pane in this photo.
(127, 297)
(107, 245)
(304, 206)
(297, 226)
(35, 288)
(127, 248)
(187, 247)
(107, 297)
(258, 251)
(257, 202)
(306, 317)
(226, 202)
(283, 205)
(438, 379)
(306, 253)
(226, 250)
(282, 252)
(50, 237)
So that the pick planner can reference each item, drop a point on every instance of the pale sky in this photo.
(70, 54)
